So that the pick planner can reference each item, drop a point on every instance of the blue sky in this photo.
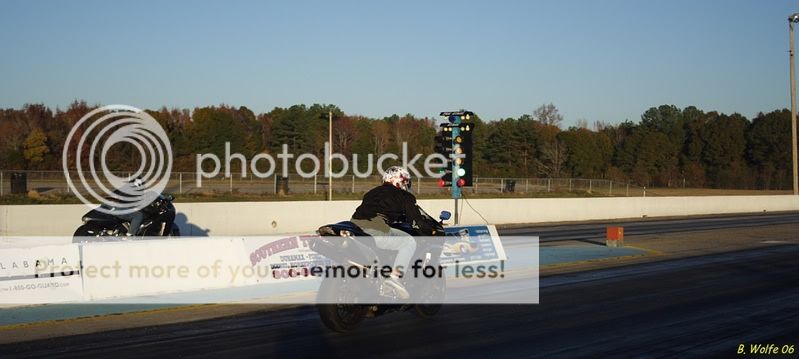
(596, 60)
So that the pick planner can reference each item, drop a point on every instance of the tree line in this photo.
(669, 146)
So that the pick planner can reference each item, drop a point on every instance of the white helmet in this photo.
(398, 177)
(137, 183)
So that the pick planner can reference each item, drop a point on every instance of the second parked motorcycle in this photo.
(99, 226)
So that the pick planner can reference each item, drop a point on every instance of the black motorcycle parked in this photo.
(159, 221)
(344, 303)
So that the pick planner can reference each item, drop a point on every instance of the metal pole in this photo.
(610, 190)
(627, 194)
(330, 155)
(1, 183)
(314, 184)
(793, 112)
(231, 183)
(180, 182)
(353, 184)
(456, 211)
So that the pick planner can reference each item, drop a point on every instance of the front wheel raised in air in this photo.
(338, 306)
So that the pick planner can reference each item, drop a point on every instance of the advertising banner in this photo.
(46, 274)
(472, 244)
(287, 258)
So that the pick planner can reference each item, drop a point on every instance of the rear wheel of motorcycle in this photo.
(338, 311)
(427, 310)
(430, 303)
(87, 233)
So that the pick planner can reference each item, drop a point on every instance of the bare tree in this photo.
(381, 135)
(582, 123)
(344, 134)
(548, 115)
(553, 156)
(600, 126)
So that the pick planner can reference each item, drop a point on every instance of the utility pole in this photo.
(791, 20)
(330, 155)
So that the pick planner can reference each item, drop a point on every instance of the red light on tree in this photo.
(441, 183)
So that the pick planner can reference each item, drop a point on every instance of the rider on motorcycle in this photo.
(389, 203)
(125, 195)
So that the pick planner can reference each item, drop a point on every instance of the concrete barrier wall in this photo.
(498, 211)
(266, 218)
(40, 220)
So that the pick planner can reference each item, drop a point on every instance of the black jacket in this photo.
(127, 200)
(392, 205)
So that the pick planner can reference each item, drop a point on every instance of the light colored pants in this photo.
(396, 240)
(135, 219)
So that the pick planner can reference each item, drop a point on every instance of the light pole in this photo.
(791, 20)
(330, 155)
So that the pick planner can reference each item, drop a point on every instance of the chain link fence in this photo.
(599, 187)
(54, 182)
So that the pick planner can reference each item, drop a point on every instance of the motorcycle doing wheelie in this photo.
(99, 225)
(344, 302)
